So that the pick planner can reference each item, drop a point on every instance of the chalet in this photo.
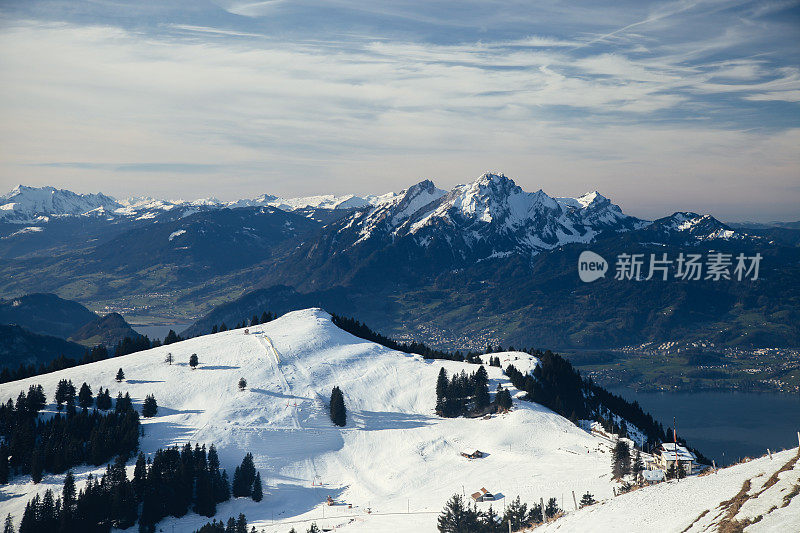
(670, 453)
(482, 495)
(651, 477)
(477, 454)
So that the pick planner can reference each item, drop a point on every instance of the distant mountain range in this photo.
(483, 262)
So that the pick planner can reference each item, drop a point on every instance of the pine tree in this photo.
(214, 329)
(587, 499)
(205, 503)
(265, 317)
(517, 515)
(120, 375)
(103, 400)
(149, 407)
(169, 359)
(258, 491)
(238, 483)
(481, 389)
(241, 524)
(621, 459)
(638, 465)
(193, 362)
(8, 527)
(242, 383)
(552, 508)
(171, 337)
(337, 407)
(254, 321)
(85, 398)
(68, 493)
(458, 517)
(223, 327)
(442, 383)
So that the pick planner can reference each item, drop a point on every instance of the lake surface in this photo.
(726, 425)
(159, 331)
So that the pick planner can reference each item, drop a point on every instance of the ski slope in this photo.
(390, 469)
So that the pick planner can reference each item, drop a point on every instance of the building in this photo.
(477, 454)
(651, 477)
(667, 455)
(482, 495)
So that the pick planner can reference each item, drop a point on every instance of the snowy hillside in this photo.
(394, 454)
(761, 494)
(394, 458)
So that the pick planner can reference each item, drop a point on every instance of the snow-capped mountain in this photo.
(691, 228)
(488, 217)
(36, 204)
(26, 205)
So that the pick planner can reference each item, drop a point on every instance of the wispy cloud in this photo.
(685, 93)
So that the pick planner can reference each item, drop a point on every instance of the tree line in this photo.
(461, 517)
(266, 316)
(468, 394)
(175, 482)
(34, 446)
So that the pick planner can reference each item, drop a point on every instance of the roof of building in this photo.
(653, 475)
(668, 452)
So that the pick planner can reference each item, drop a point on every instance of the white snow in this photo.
(176, 234)
(394, 456)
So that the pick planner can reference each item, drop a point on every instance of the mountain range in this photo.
(485, 262)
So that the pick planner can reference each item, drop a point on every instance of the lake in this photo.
(158, 331)
(725, 425)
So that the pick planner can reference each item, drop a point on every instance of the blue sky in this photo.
(661, 106)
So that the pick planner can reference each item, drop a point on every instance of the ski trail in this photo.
(268, 346)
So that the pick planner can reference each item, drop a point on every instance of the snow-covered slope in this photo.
(395, 458)
(394, 455)
(757, 495)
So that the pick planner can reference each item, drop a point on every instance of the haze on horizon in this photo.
(661, 106)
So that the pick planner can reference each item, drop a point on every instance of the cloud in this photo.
(178, 104)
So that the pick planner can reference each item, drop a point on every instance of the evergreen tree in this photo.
(214, 329)
(242, 383)
(258, 491)
(223, 327)
(120, 375)
(621, 459)
(140, 477)
(206, 504)
(458, 517)
(103, 400)
(587, 499)
(8, 527)
(552, 508)
(68, 493)
(638, 464)
(517, 515)
(241, 524)
(169, 359)
(254, 321)
(149, 407)
(481, 389)
(337, 407)
(85, 398)
(442, 383)
(193, 362)
(265, 317)
(171, 338)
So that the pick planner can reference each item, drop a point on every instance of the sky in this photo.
(661, 106)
